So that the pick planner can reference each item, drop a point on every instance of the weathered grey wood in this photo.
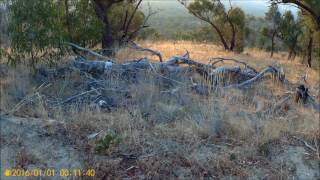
(99, 56)
(258, 77)
(153, 52)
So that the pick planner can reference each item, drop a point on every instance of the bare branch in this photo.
(88, 51)
(258, 77)
(155, 53)
(219, 59)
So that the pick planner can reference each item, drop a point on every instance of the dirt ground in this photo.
(29, 144)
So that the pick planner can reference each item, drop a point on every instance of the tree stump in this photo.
(301, 94)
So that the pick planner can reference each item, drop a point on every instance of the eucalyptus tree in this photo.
(228, 24)
(310, 10)
(40, 27)
(290, 31)
(310, 7)
(271, 30)
(34, 27)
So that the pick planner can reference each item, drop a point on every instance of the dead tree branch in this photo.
(99, 56)
(219, 59)
(154, 53)
(258, 77)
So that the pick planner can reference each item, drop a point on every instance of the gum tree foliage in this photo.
(253, 37)
(110, 12)
(290, 31)
(237, 16)
(87, 29)
(273, 19)
(34, 27)
(122, 29)
(310, 41)
(40, 27)
(311, 8)
(3, 27)
(3, 24)
(311, 32)
(149, 34)
(228, 24)
(310, 12)
(201, 34)
(81, 24)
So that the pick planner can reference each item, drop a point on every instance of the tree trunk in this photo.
(107, 41)
(310, 48)
(272, 43)
(67, 18)
(290, 53)
(233, 40)
(222, 39)
(294, 55)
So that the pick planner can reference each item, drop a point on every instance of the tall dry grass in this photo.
(196, 136)
(295, 69)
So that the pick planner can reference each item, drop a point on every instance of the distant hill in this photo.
(172, 16)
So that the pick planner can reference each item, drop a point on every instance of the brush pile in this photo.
(178, 73)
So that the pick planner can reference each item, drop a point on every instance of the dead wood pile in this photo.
(181, 71)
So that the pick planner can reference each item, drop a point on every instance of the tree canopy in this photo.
(39, 26)
(228, 24)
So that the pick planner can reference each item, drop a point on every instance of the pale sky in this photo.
(253, 7)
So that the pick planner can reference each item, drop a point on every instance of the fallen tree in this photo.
(214, 77)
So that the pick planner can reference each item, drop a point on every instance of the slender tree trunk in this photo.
(272, 43)
(233, 40)
(67, 18)
(292, 48)
(294, 55)
(222, 39)
(310, 48)
(127, 26)
(290, 53)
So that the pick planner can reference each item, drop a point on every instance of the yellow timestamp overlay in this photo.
(49, 172)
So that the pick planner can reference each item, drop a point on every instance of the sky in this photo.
(253, 7)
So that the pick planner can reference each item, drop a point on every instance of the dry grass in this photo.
(203, 52)
(182, 136)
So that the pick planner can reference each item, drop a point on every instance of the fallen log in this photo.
(172, 66)
(216, 77)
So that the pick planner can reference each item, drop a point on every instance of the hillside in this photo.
(151, 124)
(172, 17)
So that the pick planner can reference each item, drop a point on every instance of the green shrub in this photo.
(103, 144)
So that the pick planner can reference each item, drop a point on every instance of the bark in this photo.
(213, 25)
(127, 25)
(178, 71)
(222, 39)
(292, 47)
(272, 43)
(310, 48)
(258, 77)
(294, 55)
(290, 53)
(101, 11)
(233, 39)
(305, 7)
(67, 18)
